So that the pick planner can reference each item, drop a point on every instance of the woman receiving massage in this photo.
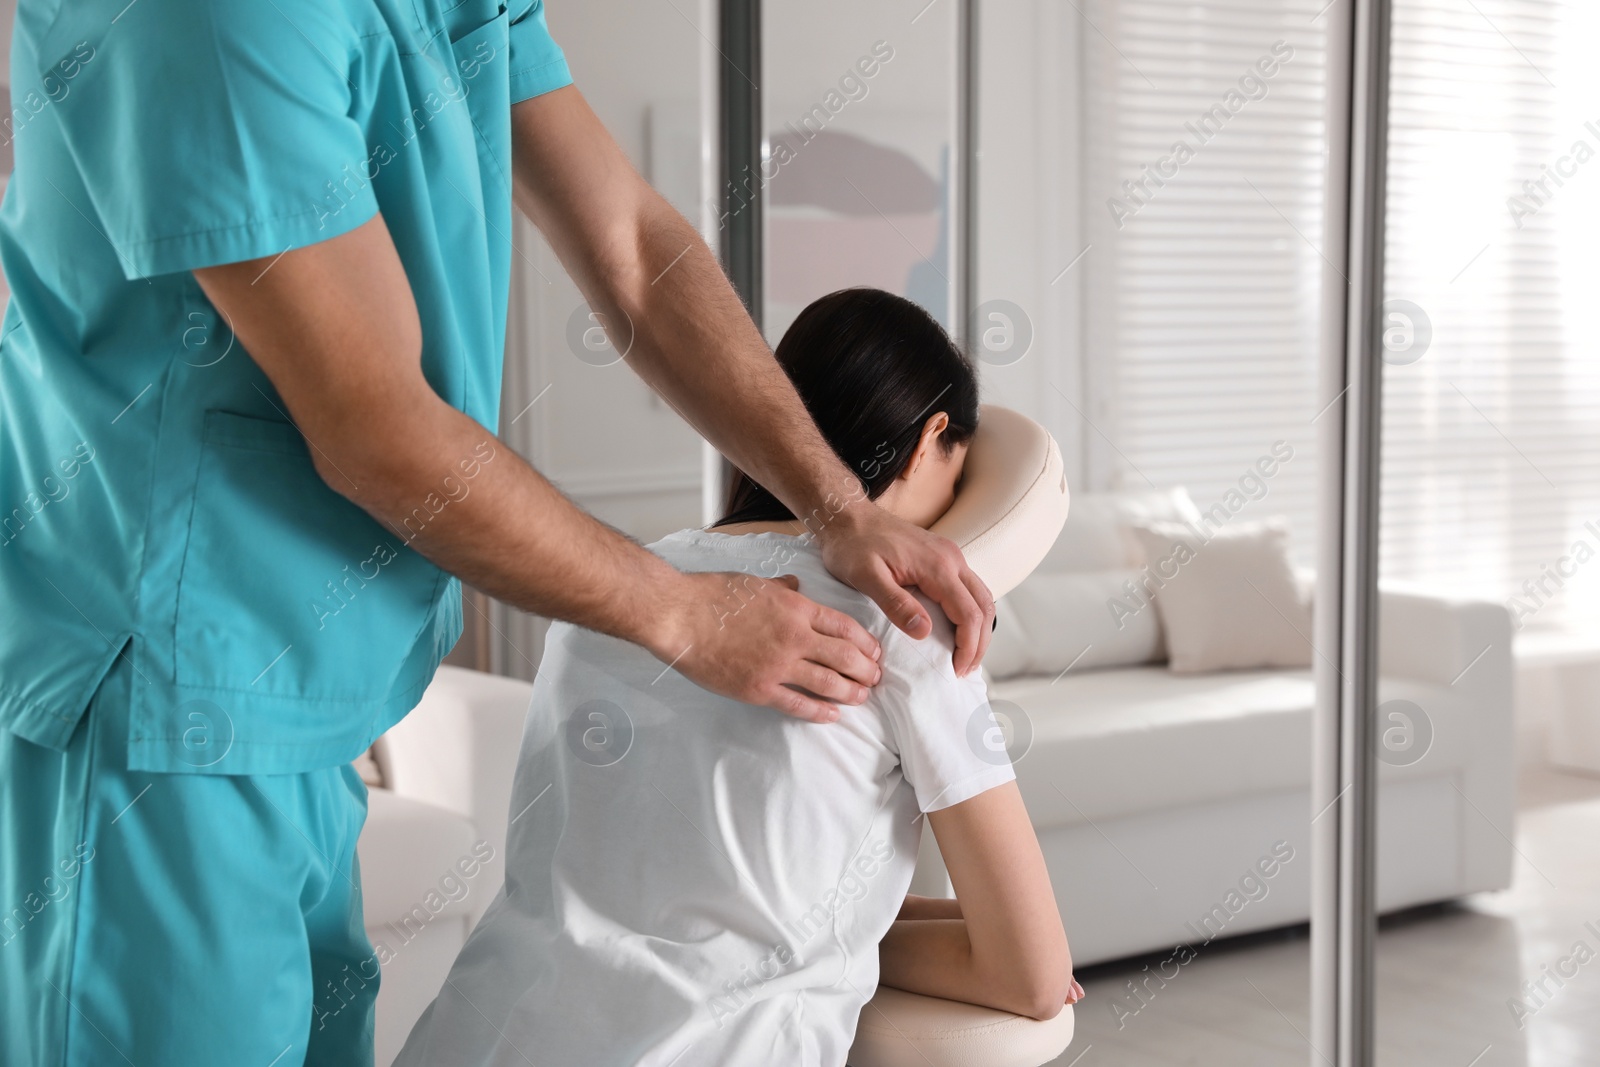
(692, 881)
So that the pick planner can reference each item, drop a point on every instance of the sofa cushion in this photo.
(415, 856)
(1056, 620)
(368, 767)
(1097, 535)
(1227, 599)
(1062, 609)
(1111, 743)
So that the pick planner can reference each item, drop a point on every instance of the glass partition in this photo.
(1488, 751)
(1149, 259)
(860, 108)
(1182, 845)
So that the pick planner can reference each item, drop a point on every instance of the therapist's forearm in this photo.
(451, 490)
(641, 265)
(695, 345)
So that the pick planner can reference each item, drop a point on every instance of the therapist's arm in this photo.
(645, 268)
(335, 327)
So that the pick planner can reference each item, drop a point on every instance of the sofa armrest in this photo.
(1430, 636)
(1437, 638)
(1463, 647)
(458, 748)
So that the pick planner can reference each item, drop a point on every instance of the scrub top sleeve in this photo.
(219, 133)
(949, 748)
(537, 62)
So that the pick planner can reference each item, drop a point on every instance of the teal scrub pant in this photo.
(177, 920)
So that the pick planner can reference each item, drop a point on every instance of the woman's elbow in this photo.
(1045, 988)
(1044, 1001)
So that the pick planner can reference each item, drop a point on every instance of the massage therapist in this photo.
(259, 255)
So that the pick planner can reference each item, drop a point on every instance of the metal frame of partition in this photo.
(1344, 777)
(740, 152)
(964, 168)
(741, 149)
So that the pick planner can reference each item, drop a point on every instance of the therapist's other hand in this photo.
(760, 641)
(883, 556)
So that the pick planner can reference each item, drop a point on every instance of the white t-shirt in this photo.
(696, 882)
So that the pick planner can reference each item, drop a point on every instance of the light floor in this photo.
(1445, 973)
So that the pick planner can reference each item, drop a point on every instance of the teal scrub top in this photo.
(155, 499)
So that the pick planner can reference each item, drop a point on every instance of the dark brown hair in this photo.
(870, 367)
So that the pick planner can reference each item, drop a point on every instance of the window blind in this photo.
(1491, 456)
(1204, 142)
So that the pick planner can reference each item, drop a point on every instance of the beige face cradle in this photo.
(1012, 499)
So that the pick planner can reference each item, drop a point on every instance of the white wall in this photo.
(8, 15)
(1029, 224)
(597, 432)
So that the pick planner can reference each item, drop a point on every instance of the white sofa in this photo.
(433, 847)
(1155, 795)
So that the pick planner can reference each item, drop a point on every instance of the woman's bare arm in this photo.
(916, 907)
(1007, 950)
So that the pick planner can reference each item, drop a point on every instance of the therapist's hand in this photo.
(882, 555)
(760, 641)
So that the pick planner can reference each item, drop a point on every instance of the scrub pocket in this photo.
(287, 588)
(481, 58)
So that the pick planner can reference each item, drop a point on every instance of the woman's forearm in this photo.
(930, 956)
(934, 957)
(917, 907)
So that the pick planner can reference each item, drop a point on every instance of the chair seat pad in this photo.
(900, 1029)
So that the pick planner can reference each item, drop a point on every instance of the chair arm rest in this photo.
(458, 748)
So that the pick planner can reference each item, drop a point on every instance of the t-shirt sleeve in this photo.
(950, 744)
(217, 133)
(537, 63)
